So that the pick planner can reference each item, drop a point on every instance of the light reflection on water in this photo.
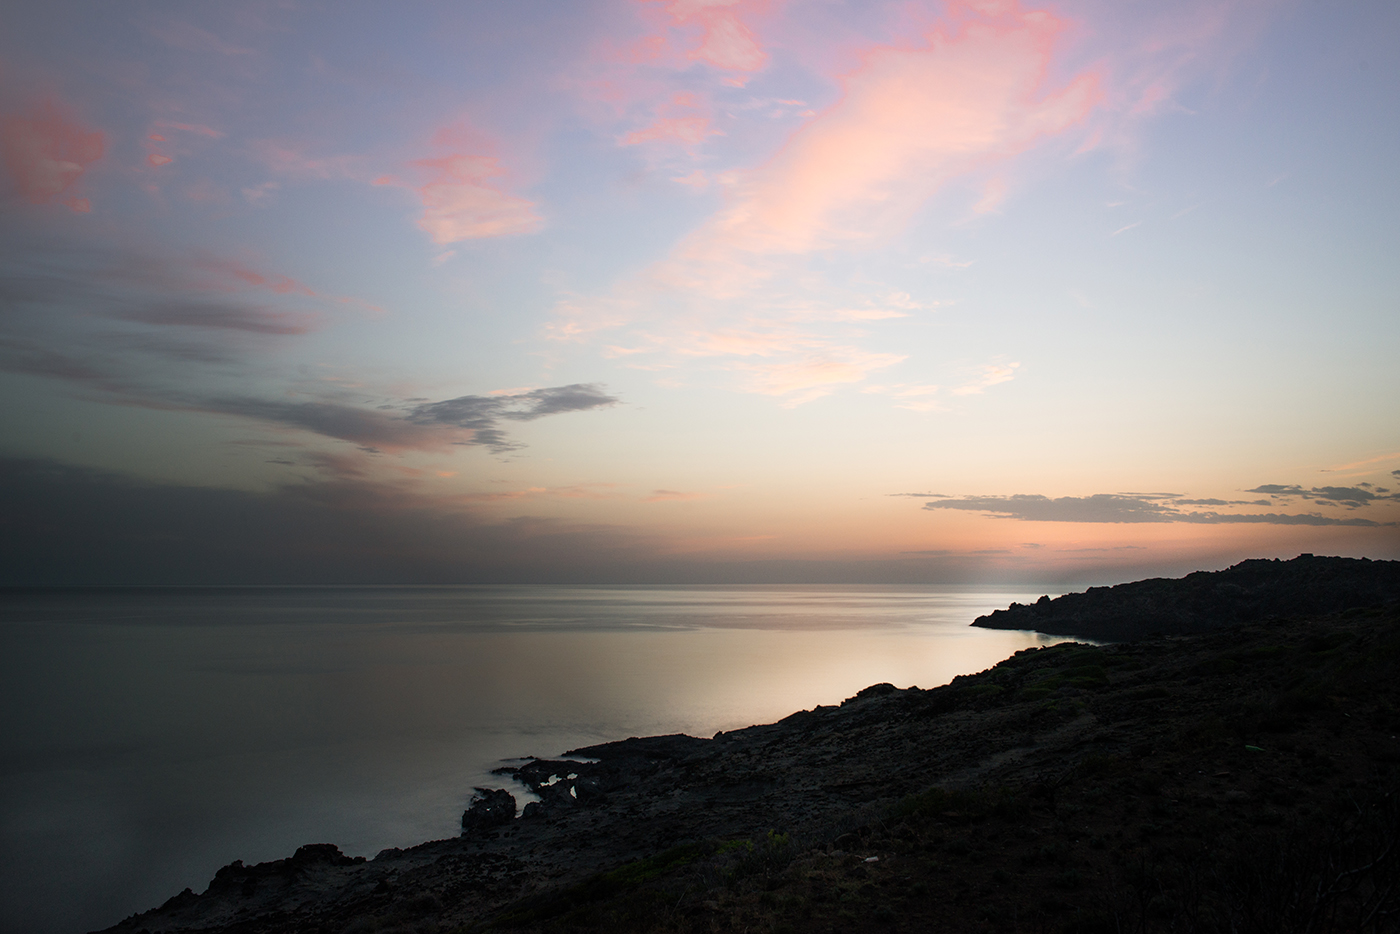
(152, 736)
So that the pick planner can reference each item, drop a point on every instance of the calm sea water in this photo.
(151, 736)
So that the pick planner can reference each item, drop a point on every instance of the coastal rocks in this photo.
(489, 808)
(1207, 601)
(1109, 749)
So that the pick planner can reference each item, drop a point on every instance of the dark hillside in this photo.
(1208, 600)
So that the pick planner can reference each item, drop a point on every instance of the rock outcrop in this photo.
(488, 808)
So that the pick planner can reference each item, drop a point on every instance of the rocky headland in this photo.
(1229, 763)
(1248, 592)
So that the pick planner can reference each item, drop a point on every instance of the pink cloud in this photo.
(232, 274)
(290, 158)
(689, 130)
(198, 129)
(958, 103)
(910, 120)
(462, 204)
(727, 40)
(47, 152)
(697, 179)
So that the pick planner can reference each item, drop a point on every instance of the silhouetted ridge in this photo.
(1204, 601)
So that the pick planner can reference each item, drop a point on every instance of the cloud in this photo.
(431, 426)
(246, 275)
(42, 287)
(47, 151)
(727, 41)
(917, 397)
(231, 317)
(1278, 489)
(964, 98)
(662, 496)
(817, 375)
(19, 355)
(167, 319)
(992, 374)
(463, 197)
(198, 129)
(290, 159)
(63, 525)
(370, 428)
(1353, 497)
(910, 119)
(690, 131)
(483, 414)
(682, 119)
(1101, 507)
(460, 203)
(1121, 508)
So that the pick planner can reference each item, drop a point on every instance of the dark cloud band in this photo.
(1127, 508)
(483, 414)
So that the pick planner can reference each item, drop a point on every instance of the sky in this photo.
(720, 291)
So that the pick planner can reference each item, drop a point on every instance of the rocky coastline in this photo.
(1206, 601)
(1231, 765)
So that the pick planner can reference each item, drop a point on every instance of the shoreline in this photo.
(826, 781)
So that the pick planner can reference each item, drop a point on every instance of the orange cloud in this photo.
(47, 152)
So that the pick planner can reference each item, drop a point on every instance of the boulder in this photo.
(489, 808)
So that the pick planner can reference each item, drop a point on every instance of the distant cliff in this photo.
(1205, 601)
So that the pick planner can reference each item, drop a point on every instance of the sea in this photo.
(152, 735)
